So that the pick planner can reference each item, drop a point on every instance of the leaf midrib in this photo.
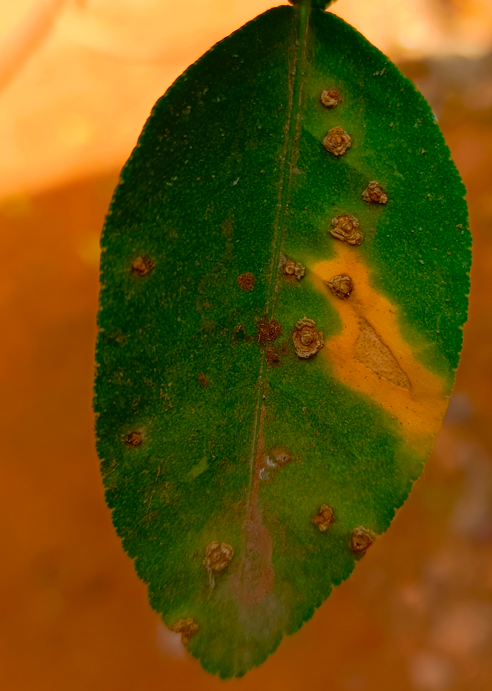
(303, 11)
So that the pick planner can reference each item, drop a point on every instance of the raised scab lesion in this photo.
(133, 439)
(306, 338)
(341, 286)
(330, 98)
(187, 628)
(374, 194)
(218, 556)
(346, 229)
(293, 269)
(361, 539)
(337, 141)
(324, 518)
(142, 265)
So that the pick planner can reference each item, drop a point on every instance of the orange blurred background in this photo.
(77, 81)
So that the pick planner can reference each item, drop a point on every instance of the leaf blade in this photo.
(192, 202)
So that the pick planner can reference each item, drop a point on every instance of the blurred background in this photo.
(77, 81)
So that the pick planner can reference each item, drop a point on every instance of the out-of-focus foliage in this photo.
(97, 72)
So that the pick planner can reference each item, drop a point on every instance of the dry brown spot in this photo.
(202, 379)
(295, 269)
(346, 229)
(324, 518)
(280, 455)
(268, 330)
(246, 281)
(274, 461)
(133, 439)
(142, 266)
(187, 628)
(341, 286)
(337, 141)
(218, 556)
(376, 356)
(254, 578)
(307, 340)
(374, 194)
(361, 539)
(331, 98)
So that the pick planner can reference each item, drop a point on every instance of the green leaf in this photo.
(271, 376)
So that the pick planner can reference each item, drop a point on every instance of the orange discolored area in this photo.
(371, 355)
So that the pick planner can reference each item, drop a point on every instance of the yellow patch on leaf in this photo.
(370, 354)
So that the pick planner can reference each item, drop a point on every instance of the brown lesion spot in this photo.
(187, 628)
(341, 286)
(324, 518)
(267, 330)
(361, 539)
(218, 556)
(376, 356)
(133, 439)
(306, 338)
(337, 141)
(142, 265)
(330, 98)
(373, 194)
(346, 229)
(202, 379)
(294, 269)
(246, 281)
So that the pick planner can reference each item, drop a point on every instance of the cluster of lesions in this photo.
(369, 348)
(218, 556)
(306, 338)
(337, 142)
(361, 538)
